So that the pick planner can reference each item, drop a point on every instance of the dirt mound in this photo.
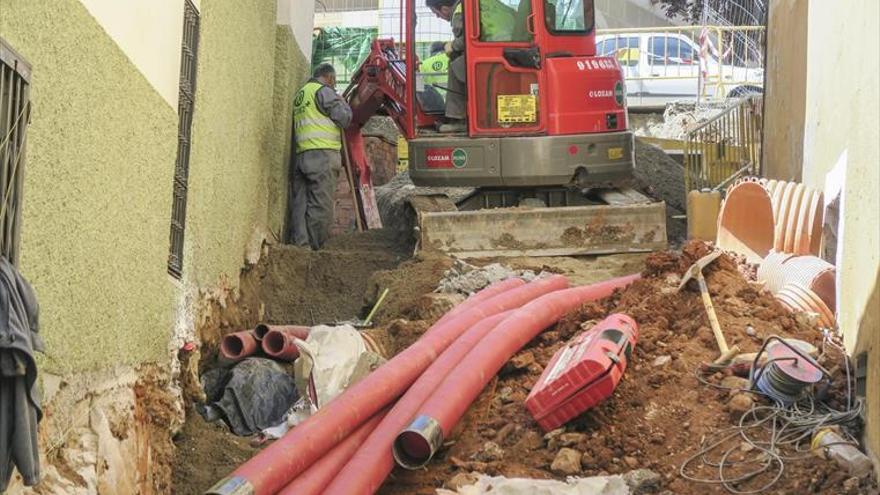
(305, 287)
(206, 452)
(659, 413)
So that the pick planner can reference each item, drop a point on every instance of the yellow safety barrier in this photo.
(725, 147)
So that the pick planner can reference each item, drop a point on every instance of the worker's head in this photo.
(326, 74)
(438, 47)
(441, 8)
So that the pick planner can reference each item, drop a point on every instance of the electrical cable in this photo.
(776, 433)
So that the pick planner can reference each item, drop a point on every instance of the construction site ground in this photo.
(655, 419)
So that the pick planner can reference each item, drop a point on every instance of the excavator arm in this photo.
(377, 87)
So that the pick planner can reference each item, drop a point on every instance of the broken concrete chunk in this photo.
(642, 481)
(567, 461)
(662, 360)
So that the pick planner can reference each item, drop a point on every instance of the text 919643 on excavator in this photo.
(546, 143)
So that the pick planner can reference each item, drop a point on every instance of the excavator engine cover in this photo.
(584, 372)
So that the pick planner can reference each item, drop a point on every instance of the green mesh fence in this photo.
(347, 48)
(344, 48)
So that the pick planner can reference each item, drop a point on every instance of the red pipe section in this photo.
(416, 445)
(488, 292)
(262, 329)
(273, 467)
(369, 467)
(279, 344)
(239, 345)
(313, 481)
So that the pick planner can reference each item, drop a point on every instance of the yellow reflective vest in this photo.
(312, 129)
(434, 69)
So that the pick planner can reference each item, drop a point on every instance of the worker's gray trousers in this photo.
(456, 96)
(314, 187)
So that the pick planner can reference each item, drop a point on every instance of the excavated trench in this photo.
(655, 419)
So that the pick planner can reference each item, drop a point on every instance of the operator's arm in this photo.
(457, 23)
(333, 106)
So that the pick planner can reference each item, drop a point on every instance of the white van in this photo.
(663, 67)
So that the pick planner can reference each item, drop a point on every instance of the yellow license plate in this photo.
(514, 109)
(615, 153)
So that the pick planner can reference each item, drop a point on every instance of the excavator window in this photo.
(569, 16)
(505, 20)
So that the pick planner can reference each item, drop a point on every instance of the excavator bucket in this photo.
(625, 225)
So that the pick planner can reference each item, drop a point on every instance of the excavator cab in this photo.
(543, 109)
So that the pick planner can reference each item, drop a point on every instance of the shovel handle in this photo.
(713, 318)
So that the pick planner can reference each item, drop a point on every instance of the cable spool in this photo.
(787, 374)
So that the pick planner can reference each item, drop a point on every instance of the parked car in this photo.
(661, 67)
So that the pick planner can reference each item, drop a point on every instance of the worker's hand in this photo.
(448, 48)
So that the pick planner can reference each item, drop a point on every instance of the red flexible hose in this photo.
(273, 467)
(416, 445)
(369, 467)
(313, 481)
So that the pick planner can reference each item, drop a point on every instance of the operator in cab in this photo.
(319, 115)
(498, 22)
(456, 95)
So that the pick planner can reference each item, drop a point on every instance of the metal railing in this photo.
(718, 59)
(726, 146)
(15, 114)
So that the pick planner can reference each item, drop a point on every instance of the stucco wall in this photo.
(232, 143)
(97, 198)
(785, 90)
(843, 103)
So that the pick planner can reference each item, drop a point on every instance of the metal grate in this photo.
(14, 118)
(186, 99)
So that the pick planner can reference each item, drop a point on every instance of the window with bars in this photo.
(14, 118)
(185, 103)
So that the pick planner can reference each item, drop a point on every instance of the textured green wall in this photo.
(233, 130)
(101, 152)
(291, 70)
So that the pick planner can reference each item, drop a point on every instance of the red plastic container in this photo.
(584, 372)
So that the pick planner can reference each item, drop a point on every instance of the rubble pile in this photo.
(660, 412)
(464, 278)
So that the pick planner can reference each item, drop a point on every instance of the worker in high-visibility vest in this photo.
(498, 22)
(433, 74)
(435, 69)
(319, 115)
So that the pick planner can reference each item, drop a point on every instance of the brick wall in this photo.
(382, 156)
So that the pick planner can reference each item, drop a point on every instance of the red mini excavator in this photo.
(547, 146)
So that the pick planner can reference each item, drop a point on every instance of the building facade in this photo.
(149, 119)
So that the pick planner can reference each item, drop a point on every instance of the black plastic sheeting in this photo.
(251, 396)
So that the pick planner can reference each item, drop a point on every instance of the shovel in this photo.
(696, 272)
